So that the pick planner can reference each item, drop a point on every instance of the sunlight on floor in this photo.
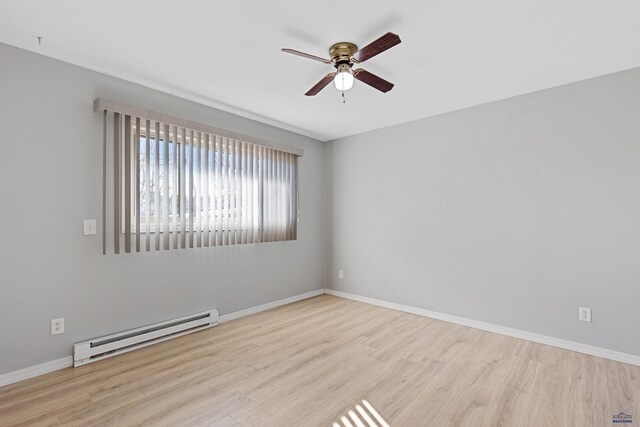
(369, 416)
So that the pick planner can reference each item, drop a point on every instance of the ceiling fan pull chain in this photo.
(344, 100)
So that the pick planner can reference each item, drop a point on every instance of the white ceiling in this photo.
(226, 53)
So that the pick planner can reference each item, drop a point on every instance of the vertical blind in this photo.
(178, 184)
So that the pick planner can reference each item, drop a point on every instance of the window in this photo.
(178, 187)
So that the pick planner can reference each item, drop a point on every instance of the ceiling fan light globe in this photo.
(343, 81)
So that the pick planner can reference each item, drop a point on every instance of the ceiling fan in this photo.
(343, 56)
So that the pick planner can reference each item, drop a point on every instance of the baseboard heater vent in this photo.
(123, 342)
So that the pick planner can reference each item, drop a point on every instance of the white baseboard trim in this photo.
(605, 353)
(65, 362)
(34, 371)
(268, 306)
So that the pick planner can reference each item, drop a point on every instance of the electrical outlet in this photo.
(57, 326)
(340, 274)
(584, 314)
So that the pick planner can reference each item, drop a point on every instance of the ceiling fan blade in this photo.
(321, 84)
(372, 80)
(383, 43)
(306, 55)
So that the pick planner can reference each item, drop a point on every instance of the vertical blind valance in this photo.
(176, 184)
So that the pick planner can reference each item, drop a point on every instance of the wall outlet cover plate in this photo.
(584, 314)
(57, 326)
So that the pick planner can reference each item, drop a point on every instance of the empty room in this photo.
(332, 214)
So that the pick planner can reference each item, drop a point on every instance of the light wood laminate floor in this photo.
(309, 363)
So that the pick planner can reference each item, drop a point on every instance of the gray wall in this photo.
(51, 178)
(514, 212)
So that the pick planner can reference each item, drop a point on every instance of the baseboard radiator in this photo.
(123, 342)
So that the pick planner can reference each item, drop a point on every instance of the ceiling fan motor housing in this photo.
(342, 53)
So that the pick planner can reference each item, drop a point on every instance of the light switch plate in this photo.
(89, 226)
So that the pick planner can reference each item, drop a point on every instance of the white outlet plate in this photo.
(57, 326)
(584, 314)
(89, 227)
(340, 274)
